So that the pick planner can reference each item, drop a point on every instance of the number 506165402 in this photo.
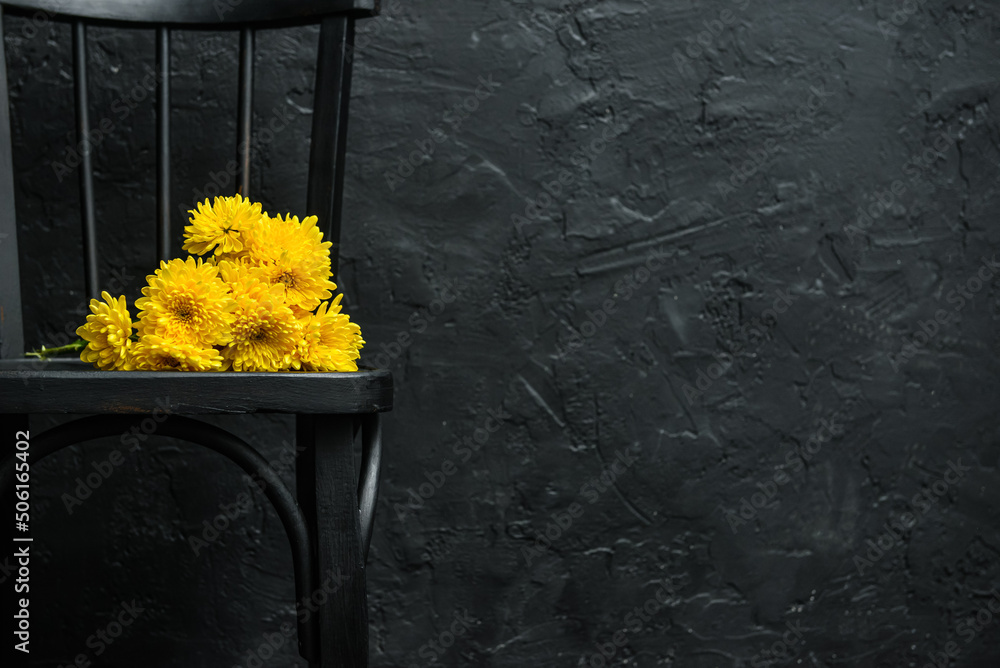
(22, 491)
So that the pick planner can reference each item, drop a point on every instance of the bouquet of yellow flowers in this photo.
(259, 301)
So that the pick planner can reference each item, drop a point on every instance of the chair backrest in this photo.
(329, 129)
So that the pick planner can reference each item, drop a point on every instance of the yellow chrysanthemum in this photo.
(107, 334)
(330, 341)
(220, 225)
(187, 302)
(265, 332)
(157, 353)
(247, 306)
(293, 255)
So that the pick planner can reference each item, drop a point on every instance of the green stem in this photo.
(46, 353)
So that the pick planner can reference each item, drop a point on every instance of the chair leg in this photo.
(327, 492)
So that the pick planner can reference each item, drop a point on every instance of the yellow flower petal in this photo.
(330, 341)
(186, 301)
(293, 255)
(157, 353)
(265, 332)
(107, 334)
(220, 225)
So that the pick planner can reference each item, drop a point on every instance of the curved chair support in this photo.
(371, 470)
(222, 442)
(195, 12)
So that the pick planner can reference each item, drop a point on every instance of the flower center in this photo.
(184, 309)
(287, 279)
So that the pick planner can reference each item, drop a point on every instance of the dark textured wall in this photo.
(702, 318)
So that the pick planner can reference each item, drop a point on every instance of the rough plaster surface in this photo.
(742, 138)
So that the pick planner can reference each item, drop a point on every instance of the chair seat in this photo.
(72, 386)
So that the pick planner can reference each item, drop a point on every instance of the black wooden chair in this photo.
(330, 523)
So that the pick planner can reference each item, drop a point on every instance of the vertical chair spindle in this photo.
(163, 144)
(329, 131)
(86, 168)
(11, 330)
(244, 121)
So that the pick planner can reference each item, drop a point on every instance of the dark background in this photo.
(744, 137)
